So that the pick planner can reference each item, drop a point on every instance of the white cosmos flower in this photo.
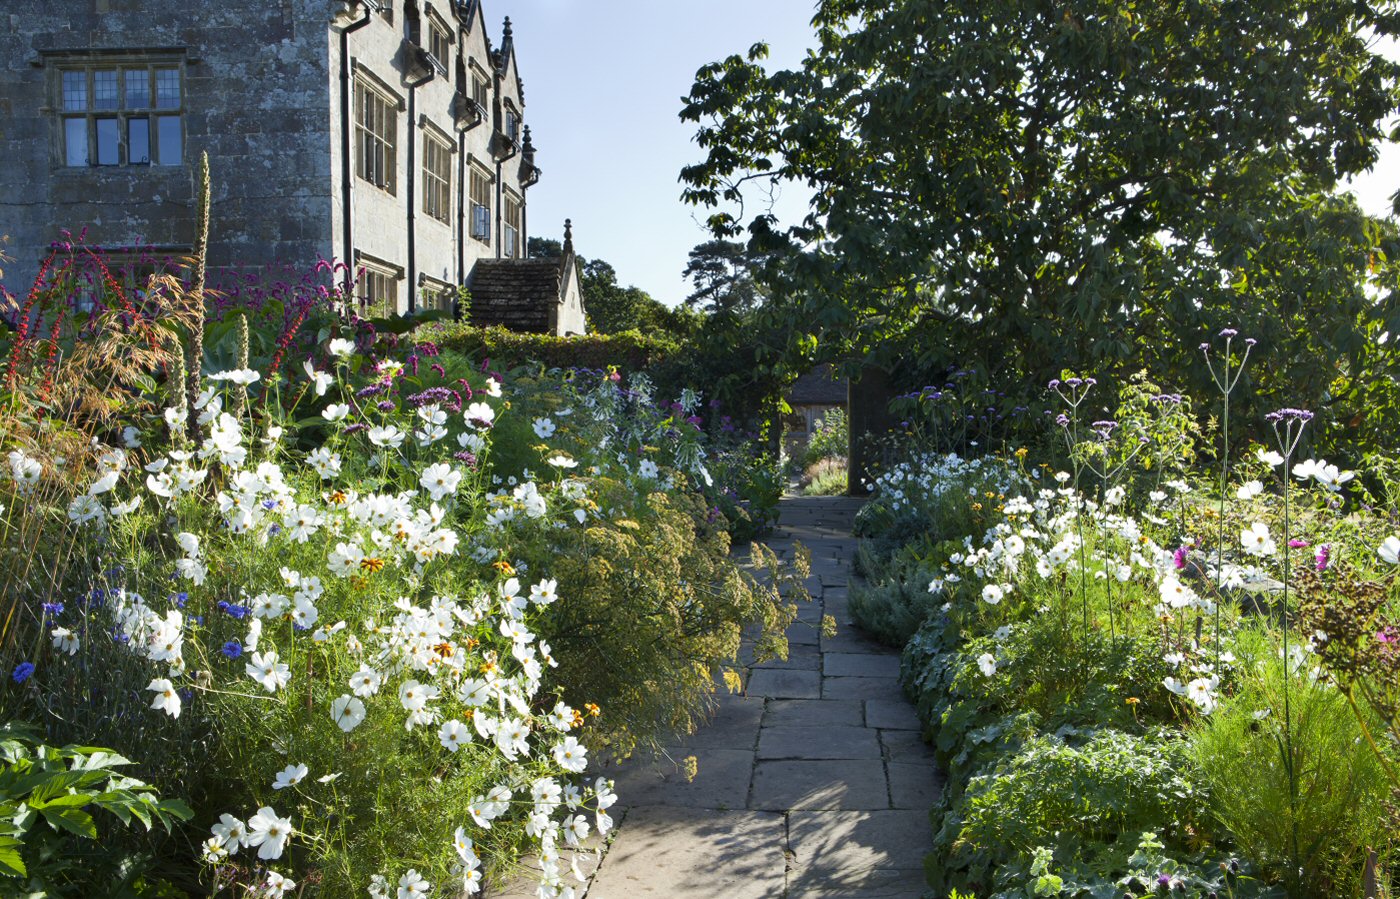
(85, 508)
(289, 776)
(571, 755)
(412, 885)
(1332, 477)
(1389, 550)
(1249, 490)
(1201, 691)
(576, 830)
(1306, 469)
(562, 461)
(335, 411)
(340, 347)
(1174, 685)
(1270, 458)
(240, 376)
(993, 594)
(167, 698)
(347, 712)
(453, 734)
(319, 379)
(266, 670)
(493, 388)
(511, 736)
(544, 428)
(988, 663)
(365, 682)
(229, 831)
(104, 484)
(479, 415)
(1257, 541)
(268, 832)
(25, 471)
(345, 559)
(64, 640)
(648, 469)
(440, 480)
(386, 436)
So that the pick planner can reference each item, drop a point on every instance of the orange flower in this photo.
(337, 497)
(504, 567)
(372, 565)
(593, 709)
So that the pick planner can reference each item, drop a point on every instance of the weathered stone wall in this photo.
(256, 84)
(262, 94)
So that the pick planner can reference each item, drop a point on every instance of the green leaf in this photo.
(11, 864)
(75, 821)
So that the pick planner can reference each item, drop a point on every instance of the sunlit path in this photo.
(813, 783)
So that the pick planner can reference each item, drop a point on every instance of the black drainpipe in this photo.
(346, 178)
(412, 142)
(461, 216)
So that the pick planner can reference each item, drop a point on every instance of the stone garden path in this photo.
(813, 784)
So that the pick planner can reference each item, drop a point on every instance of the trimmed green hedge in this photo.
(628, 350)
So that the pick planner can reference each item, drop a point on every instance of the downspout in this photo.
(412, 198)
(347, 226)
(461, 218)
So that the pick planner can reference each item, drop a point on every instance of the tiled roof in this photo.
(818, 387)
(519, 294)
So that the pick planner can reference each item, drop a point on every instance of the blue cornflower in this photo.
(53, 609)
(232, 649)
(23, 671)
(180, 599)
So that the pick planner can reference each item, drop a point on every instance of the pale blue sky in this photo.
(603, 82)
(603, 87)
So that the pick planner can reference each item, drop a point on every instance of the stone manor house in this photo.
(387, 133)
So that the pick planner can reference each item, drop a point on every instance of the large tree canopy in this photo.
(1090, 184)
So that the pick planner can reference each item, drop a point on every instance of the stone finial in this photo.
(505, 31)
(568, 237)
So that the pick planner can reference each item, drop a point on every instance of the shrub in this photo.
(826, 477)
(1075, 794)
(628, 350)
(49, 838)
(831, 440)
(657, 613)
(1317, 843)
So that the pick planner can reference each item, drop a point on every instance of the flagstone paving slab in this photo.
(861, 688)
(812, 712)
(913, 786)
(819, 784)
(777, 683)
(694, 854)
(827, 742)
(859, 664)
(721, 781)
(891, 714)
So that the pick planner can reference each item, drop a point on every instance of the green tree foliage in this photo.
(612, 308)
(723, 274)
(1089, 185)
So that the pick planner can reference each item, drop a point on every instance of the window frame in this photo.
(481, 86)
(440, 32)
(511, 116)
(444, 295)
(369, 90)
(376, 272)
(91, 114)
(487, 181)
(437, 185)
(510, 231)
